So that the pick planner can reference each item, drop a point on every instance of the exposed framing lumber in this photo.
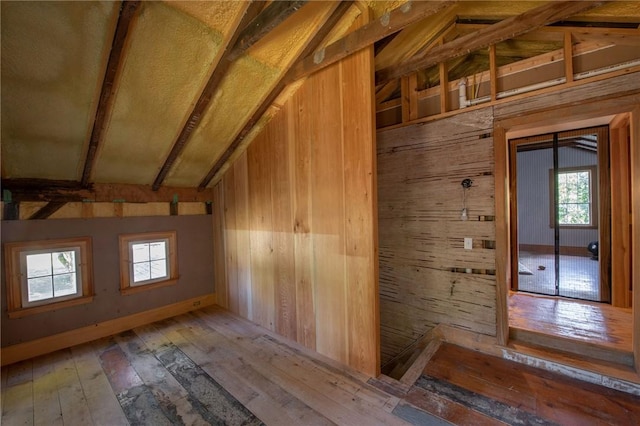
(105, 103)
(503, 30)
(61, 191)
(320, 35)
(388, 24)
(270, 18)
(250, 15)
(47, 210)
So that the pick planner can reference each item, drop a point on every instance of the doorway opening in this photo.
(562, 220)
(560, 290)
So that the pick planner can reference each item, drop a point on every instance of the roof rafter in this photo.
(503, 30)
(253, 26)
(105, 102)
(388, 24)
(319, 36)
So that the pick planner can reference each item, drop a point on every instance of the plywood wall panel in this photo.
(426, 275)
(307, 209)
(219, 264)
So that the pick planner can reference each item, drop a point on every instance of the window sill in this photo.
(23, 312)
(140, 288)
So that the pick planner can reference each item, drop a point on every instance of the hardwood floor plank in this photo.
(73, 402)
(165, 388)
(550, 396)
(270, 402)
(136, 399)
(46, 403)
(308, 378)
(103, 404)
(596, 323)
(18, 400)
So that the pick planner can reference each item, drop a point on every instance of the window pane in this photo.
(38, 265)
(64, 284)
(64, 262)
(40, 288)
(140, 252)
(158, 250)
(158, 268)
(141, 272)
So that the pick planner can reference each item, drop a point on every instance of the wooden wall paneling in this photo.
(620, 208)
(327, 214)
(219, 246)
(283, 241)
(261, 231)
(301, 127)
(231, 253)
(243, 237)
(423, 265)
(359, 185)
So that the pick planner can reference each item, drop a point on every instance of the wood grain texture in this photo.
(310, 218)
(635, 249)
(423, 279)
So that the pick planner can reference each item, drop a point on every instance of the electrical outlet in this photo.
(468, 243)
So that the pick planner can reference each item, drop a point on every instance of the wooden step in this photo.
(571, 345)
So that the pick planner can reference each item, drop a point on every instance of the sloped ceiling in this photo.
(185, 85)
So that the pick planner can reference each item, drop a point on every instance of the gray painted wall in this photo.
(195, 263)
(533, 197)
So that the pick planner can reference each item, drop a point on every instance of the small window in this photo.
(576, 197)
(45, 275)
(147, 261)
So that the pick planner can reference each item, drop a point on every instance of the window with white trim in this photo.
(147, 261)
(576, 202)
(45, 275)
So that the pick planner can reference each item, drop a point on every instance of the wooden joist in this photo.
(105, 103)
(207, 94)
(503, 30)
(273, 95)
(388, 24)
(69, 191)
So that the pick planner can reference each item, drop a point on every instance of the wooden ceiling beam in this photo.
(503, 30)
(387, 24)
(105, 102)
(64, 191)
(319, 36)
(251, 29)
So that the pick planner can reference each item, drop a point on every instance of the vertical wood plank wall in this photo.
(426, 275)
(299, 228)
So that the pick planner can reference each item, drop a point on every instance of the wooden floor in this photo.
(516, 394)
(589, 322)
(186, 370)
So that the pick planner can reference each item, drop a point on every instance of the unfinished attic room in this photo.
(320, 212)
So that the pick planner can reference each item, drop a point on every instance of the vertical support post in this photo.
(493, 73)
(444, 88)
(568, 56)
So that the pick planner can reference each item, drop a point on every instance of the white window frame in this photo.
(18, 304)
(127, 283)
(593, 196)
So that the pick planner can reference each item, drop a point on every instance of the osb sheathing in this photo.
(53, 59)
(167, 62)
(248, 81)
